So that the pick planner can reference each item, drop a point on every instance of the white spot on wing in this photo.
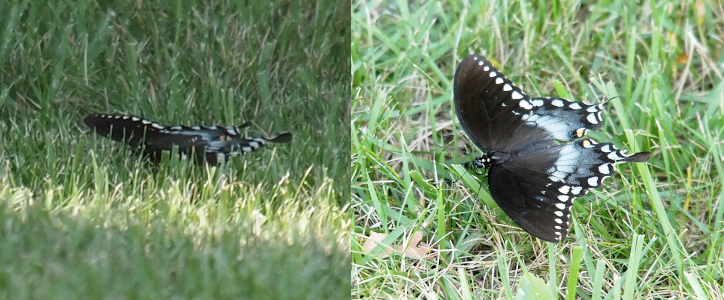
(593, 181)
(576, 190)
(614, 156)
(564, 189)
(592, 119)
(499, 80)
(603, 169)
(507, 87)
(557, 103)
(516, 95)
(575, 105)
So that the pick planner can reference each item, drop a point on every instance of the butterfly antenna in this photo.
(608, 100)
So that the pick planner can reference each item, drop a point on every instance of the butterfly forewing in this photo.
(130, 130)
(538, 162)
(484, 103)
(497, 114)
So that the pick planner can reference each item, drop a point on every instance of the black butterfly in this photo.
(535, 154)
(213, 144)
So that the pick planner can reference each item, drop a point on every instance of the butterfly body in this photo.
(213, 144)
(537, 158)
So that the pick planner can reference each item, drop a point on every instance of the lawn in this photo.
(425, 228)
(84, 217)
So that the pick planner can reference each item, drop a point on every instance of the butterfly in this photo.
(213, 145)
(535, 153)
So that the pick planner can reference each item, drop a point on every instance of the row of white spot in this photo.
(500, 80)
(594, 116)
(595, 110)
(564, 208)
(251, 145)
(593, 181)
(134, 119)
(231, 130)
(221, 156)
(559, 171)
(538, 102)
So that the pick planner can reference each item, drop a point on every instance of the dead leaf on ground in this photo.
(413, 247)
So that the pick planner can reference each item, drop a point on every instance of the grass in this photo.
(85, 218)
(653, 231)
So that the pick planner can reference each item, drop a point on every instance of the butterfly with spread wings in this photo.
(537, 158)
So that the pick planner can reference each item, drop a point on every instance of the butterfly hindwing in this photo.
(554, 177)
